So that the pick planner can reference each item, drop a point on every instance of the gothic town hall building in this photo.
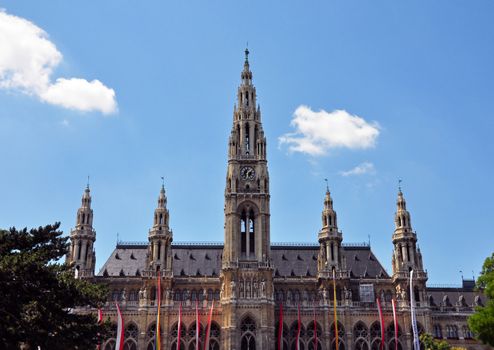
(248, 278)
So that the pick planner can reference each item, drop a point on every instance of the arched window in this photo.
(247, 233)
(438, 333)
(248, 334)
(191, 334)
(110, 343)
(214, 336)
(467, 333)
(293, 336)
(151, 336)
(361, 336)
(360, 330)
(390, 336)
(174, 336)
(375, 336)
(285, 336)
(311, 336)
(131, 337)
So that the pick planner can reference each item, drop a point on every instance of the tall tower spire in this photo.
(330, 238)
(82, 239)
(160, 237)
(406, 254)
(246, 254)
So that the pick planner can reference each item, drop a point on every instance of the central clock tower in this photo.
(247, 275)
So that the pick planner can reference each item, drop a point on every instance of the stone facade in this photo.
(248, 278)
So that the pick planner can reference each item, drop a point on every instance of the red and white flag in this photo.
(381, 319)
(198, 325)
(280, 329)
(395, 322)
(179, 326)
(208, 329)
(120, 329)
(100, 321)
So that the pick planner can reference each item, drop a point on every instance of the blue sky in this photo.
(147, 89)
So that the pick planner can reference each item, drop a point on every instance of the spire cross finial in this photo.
(87, 186)
(399, 184)
(163, 182)
(247, 53)
(327, 185)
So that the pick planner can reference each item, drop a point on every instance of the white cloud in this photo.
(81, 95)
(317, 132)
(27, 61)
(361, 169)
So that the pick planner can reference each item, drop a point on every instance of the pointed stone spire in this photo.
(331, 254)
(246, 73)
(406, 255)
(82, 239)
(402, 216)
(160, 235)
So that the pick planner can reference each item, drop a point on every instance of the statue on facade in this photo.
(232, 289)
(263, 288)
(222, 290)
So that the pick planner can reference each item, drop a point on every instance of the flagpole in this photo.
(198, 324)
(120, 330)
(280, 328)
(416, 343)
(381, 319)
(158, 314)
(208, 329)
(315, 329)
(298, 329)
(179, 325)
(334, 308)
(395, 320)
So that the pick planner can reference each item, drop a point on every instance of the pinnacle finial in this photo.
(399, 184)
(247, 53)
(327, 185)
(87, 186)
(162, 182)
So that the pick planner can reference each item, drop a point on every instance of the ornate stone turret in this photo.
(247, 275)
(406, 254)
(331, 255)
(247, 181)
(82, 238)
(160, 237)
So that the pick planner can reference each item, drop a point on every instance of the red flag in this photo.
(198, 325)
(120, 329)
(158, 314)
(315, 329)
(280, 328)
(381, 319)
(298, 329)
(395, 321)
(208, 329)
(179, 325)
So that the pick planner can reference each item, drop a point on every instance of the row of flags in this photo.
(120, 323)
(416, 342)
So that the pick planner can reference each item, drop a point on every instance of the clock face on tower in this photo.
(247, 173)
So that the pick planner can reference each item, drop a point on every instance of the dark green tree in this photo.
(38, 295)
(482, 321)
(433, 344)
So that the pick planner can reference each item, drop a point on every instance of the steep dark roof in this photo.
(451, 296)
(129, 259)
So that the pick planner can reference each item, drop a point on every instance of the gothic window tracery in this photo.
(131, 337)
(248, 334)
(341, 336)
